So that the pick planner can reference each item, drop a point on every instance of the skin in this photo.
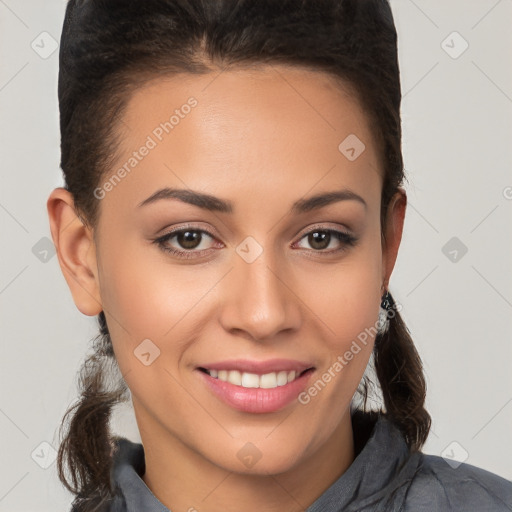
(262, 138)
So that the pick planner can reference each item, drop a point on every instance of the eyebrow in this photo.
(215, 204)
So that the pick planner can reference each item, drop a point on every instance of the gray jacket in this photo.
(384, 476)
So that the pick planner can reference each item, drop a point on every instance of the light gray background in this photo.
(457, 120)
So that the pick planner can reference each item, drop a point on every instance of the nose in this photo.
(259, 299)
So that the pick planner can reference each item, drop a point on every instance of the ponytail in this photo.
(399, 370)
(87, 446)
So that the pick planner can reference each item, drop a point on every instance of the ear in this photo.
(76, 251)
(393, 230)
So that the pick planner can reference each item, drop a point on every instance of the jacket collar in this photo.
(381, 452)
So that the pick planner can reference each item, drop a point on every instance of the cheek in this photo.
(349, 312)
(146, 296)
(146, 304)
(346, 296)
(140, 303)
(345, 300)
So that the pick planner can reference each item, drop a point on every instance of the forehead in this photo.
(249, 97)
(281, 127)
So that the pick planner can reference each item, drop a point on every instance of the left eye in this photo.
(320, 239)
(190, 240)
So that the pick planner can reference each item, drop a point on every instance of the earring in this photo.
(386, 304)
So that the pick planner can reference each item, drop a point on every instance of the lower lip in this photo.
(257, 400)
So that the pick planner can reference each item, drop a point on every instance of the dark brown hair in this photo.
(109, 48)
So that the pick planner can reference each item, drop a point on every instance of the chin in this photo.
(248, 458)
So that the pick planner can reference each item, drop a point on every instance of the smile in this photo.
(253, 380)
(256, 393)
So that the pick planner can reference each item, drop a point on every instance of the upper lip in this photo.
(259, 367)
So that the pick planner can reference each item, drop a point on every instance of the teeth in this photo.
(248, 380)
(269, 380)
(253, 380)
(282, 378)
(235, 378)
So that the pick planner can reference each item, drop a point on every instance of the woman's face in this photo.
(258, 273)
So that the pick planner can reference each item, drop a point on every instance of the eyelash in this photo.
(346, 239)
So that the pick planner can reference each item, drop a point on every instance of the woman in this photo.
(232, 214)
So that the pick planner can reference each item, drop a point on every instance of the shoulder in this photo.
(439, 486)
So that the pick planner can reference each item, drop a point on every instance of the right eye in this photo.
(187, 238)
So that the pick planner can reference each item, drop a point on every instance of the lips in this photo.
(256, 386)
